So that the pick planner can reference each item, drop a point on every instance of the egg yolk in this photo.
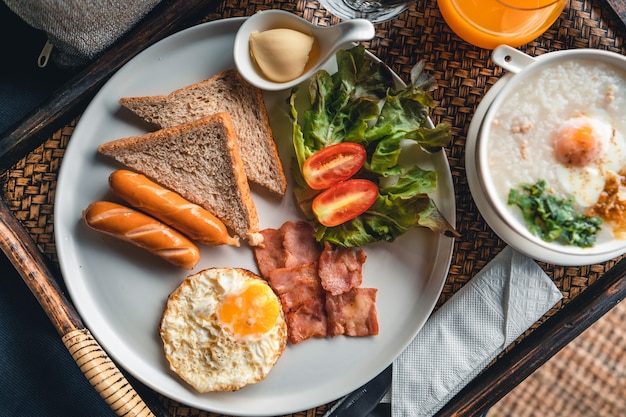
(577, 143)
(251, 312)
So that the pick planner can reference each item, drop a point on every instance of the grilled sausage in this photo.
(143, 231)
(171, 208)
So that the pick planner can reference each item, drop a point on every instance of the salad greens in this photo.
(359, 103)
(552, 218)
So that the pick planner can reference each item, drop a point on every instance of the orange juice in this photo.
(489, 23)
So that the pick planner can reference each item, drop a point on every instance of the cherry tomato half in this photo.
(344, 201)
(333, 164)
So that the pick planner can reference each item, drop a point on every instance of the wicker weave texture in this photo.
(464, 73)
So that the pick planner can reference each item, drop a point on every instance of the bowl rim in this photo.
(482, 142)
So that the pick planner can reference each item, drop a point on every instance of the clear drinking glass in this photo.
(374, 11)
(489, 23)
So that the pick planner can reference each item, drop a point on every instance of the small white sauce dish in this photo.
(328, 40)
(513, 113)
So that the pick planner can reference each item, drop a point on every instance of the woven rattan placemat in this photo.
(464, 73)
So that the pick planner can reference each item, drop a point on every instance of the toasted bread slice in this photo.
(224, 92)
(200, 160)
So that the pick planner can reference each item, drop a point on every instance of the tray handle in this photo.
(104, 376)
(93, 361)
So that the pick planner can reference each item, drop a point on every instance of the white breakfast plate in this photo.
(120, 291)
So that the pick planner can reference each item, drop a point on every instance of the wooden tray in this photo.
(30, 157)
(619, 7)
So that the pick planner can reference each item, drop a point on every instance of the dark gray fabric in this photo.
(23, 85)
(38, 377)
(79, 29)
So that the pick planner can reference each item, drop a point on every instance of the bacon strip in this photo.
(270, 255)
(299, 244)
(352, 313)
(291, 245)
(319, 288)
(303, 300)
(340, 269)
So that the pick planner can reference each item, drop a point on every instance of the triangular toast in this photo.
(200, 160)
(224, 92)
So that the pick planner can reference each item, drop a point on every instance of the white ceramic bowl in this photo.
(505, 224)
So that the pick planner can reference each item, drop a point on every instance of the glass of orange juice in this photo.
(489, 23)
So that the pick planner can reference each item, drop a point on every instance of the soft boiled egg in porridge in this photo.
(586, 148)
(565, 126)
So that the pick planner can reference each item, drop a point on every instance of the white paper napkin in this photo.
(460, 339)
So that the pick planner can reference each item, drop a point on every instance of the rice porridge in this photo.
(567, 126)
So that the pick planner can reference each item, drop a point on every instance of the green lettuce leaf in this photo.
(359, 103)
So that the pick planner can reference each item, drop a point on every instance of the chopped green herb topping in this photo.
(552, 218)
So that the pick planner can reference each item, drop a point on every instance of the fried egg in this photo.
(222, 329)
(587, 148)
